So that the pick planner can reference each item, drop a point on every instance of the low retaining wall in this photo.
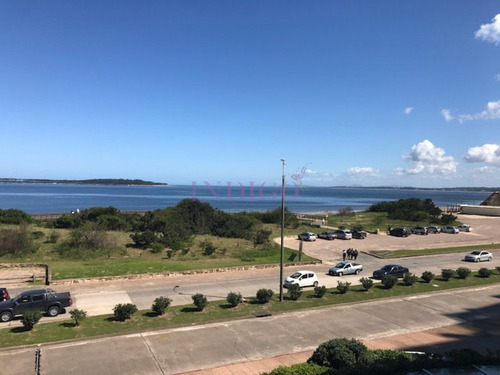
(169, 274)
(480, 210)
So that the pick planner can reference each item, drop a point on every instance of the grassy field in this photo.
(388, 254)
(123, 259)
(221, 311)
(126, 260)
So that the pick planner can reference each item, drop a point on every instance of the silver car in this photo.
(452, 230)
(479, 256)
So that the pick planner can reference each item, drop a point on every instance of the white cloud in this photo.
(408, 110)
(491, 112)
(365, 171)
(487, 153)
(424, 157)
(447, 115)
(490, 32)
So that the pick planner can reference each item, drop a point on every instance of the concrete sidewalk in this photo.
(254, 345)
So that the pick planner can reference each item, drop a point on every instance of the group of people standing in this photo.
(351, 254)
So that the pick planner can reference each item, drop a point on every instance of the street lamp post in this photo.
(282, 254)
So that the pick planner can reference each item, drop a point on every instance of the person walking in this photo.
(355, 254)
(344, 253)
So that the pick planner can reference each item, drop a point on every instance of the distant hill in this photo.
(96, 181)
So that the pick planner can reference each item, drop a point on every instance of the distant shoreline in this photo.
(97, 181)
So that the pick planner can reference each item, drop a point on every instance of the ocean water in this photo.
(50, 198)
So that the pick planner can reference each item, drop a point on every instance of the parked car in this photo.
(343, 234)
(45, 300)
(4, 294)
(419, 230)
(302, 278)
(390, 269)
(399, 232)
(433, 229)
(359, 234)
(307, 236)
(327, 235)
(479, 256)
(345, 268)
(451, 230)
(464, 228)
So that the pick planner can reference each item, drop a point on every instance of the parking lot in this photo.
(485, 230)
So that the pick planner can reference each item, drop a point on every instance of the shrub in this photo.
(207, 247)
(343, 287)
(447, 274)
(124, 311)
(78, 316)
(366, 282)
(30, 318)
(298, 369)
(388, 281)
(234, 299)
(463, 272)
(53, 237)
(294, 292)
(200, 301)
(484, 272)
(340, 353)
(160, 305)
(427, 276)
(264, 295)
(157, 248)
(409, 278)
(320, 291)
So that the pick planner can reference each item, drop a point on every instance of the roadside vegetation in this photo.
(342, 356)
(126, 319)
(102, 241)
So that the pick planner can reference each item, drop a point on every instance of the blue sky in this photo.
(348, 92)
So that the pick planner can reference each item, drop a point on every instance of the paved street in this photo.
(185, 349)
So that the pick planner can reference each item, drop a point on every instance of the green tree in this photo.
(294, 292)
(160, 305)
(340, 353)
(234, 299)
(264, 295)
(30, 318)
(389, 281)
(447, 274)
(124, 311)
(78, 316)
(200, 301)
(427, 276)
(366, 282)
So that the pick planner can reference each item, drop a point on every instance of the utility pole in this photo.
(282, 255)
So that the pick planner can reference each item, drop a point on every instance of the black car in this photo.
(327, 235)
(359, 234)
(390, 269)
(399, 232)
(4, 294)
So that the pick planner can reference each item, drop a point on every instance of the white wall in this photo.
(480, 210)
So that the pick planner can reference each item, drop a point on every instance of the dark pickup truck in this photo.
(45, 300)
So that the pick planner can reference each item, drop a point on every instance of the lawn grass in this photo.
(389, 254)
(178, 316)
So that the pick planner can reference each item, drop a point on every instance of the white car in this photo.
(478, 256)
(343, 234)
(303, 278)
(452, 230)
(464, 228)
(307, 236)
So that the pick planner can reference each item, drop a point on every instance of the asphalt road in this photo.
(174, 351)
